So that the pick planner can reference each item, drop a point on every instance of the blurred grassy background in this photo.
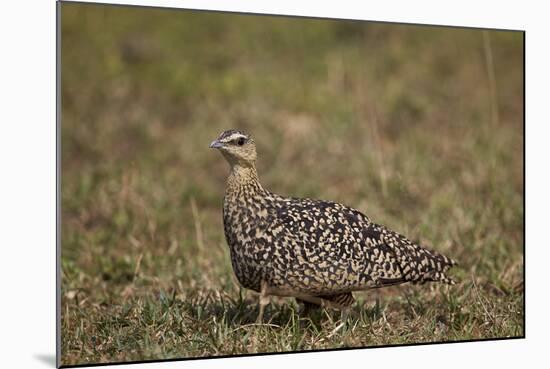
(419, 127)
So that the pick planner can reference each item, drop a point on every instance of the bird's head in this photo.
(237, 147)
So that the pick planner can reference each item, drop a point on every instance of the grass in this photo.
(421, 128)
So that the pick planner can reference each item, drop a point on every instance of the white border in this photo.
(459, 13)
(27, 187)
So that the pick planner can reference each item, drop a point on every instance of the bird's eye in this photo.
(240, 141)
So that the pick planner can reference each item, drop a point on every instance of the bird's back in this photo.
(321, 247)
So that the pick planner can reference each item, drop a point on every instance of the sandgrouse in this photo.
(316, 251)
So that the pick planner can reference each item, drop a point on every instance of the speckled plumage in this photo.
(317, 251)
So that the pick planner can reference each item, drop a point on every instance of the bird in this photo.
(317, 251)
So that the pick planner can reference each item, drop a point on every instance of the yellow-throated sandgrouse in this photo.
(317, 251)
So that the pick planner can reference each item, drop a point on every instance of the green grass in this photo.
(401, 122)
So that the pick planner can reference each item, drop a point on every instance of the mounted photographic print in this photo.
(240, 184)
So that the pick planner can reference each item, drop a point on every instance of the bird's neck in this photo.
(243, 179)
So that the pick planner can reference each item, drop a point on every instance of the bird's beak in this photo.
(216, 144)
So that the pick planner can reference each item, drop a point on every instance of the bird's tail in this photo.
(417, 264)
(438, 264)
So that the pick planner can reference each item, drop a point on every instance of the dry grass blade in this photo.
(490, 67)
(198, 227)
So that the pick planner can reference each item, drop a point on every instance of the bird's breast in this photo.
(245, 225)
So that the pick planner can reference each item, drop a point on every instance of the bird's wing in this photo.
(337, 249)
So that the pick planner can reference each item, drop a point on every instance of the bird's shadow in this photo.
(239, 313)
(245, 312)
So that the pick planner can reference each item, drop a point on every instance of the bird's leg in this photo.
(309, 308)
(348, 316)
(263, 301)
(344, 313)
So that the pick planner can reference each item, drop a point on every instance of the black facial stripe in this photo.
(237, 141)
(227, 134)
